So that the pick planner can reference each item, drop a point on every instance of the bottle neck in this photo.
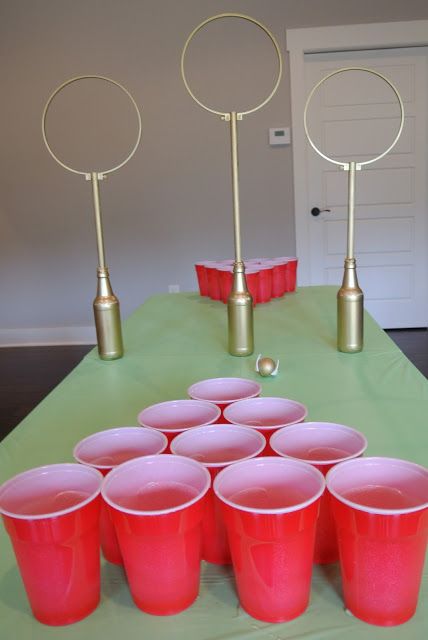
(104, 287)
(350, 280)
(239, 281)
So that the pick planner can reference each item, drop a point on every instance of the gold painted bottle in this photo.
(350, 310)
(240, 315)
(107, 318)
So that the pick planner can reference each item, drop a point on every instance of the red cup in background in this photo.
(106, 449)
(380, 506)
(283, 266)
(213, 279)
(51, 514)
(270, 506)
(252, 280)
(217, 446)
(157, 505)
(201, 275)
(267, 415)
(174, 416)
(290, 274)
(264, 293)
(321, 444)
(226, 279)
(224, 391)
(278, 277)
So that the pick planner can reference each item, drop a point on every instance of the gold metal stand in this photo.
(240, 302)
(350, 298)
(106, 305)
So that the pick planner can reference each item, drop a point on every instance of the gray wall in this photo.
(171, 205)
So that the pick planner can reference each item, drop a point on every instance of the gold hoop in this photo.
(388, 82)
(45, 111)
(243, 17)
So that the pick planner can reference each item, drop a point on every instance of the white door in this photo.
(354, 116)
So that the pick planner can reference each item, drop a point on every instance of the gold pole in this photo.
(240, 302)
(106, 305)
(98, 225)
(350, 298)
(235, 184)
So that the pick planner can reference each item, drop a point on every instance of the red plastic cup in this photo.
(290, 274)
(174, 416)
(252, 280)
(270, 507)
(51, 514)
(279, 266)
(217, 446)
(265, 283)
(106, 449)
(267, 415)
(201, 275)
(157, 504)
(226, 279)
(321, 444)
(213, 279)
(380, 506)
(224, 391)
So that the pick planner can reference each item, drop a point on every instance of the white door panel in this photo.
(355, 116)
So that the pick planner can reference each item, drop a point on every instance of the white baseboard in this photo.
(40, 336)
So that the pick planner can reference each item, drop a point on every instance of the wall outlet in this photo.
(173, 288)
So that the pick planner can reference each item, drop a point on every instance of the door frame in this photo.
(382, 35)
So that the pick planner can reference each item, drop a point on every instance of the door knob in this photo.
(316, 211)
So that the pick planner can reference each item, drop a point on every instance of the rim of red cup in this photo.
(194, 391)
(315, 426)
(343, 467)
(126, 467)
(228, 428)
(48, 469)
(283, 423)
(216, 413)
(233, 468)
(78, 451)
(276, 262)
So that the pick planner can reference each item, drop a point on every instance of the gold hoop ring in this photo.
(334, 73)
(45, 112)
(243, 17)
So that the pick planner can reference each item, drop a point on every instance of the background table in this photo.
(172, 341)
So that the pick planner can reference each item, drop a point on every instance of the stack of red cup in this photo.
(266, 278)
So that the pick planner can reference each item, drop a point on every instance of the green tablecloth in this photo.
(172, 341)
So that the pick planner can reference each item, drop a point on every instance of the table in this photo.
(172, 341)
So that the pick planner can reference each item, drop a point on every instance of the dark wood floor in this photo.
(414, 344)
(28, 374)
